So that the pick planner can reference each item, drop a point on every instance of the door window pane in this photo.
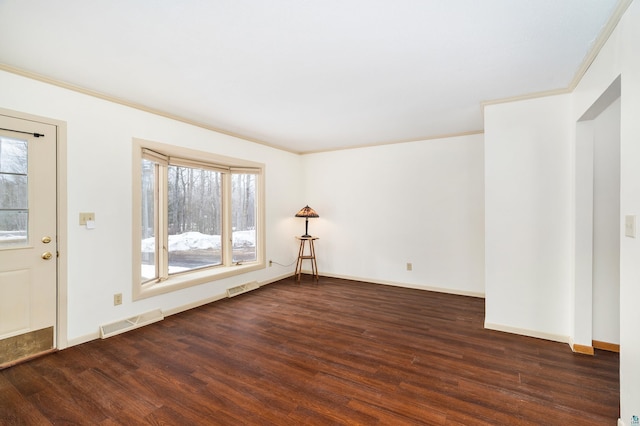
(243, 211)
(14, 192)
(13, 156)
(194, 218)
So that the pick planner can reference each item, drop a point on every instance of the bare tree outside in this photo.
(194, 200)
(194, 217)
(243, 208)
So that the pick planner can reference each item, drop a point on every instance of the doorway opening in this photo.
(597, 228)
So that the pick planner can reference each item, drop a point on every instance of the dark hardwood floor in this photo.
(336, 352)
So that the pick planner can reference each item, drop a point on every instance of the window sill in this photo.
(180, 281)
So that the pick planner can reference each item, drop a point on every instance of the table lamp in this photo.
(307, 212)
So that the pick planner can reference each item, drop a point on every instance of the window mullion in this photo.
(227, 234)
(163, 231)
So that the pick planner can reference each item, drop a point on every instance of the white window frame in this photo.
(201, 159)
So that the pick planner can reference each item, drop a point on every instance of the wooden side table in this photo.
(311, 256)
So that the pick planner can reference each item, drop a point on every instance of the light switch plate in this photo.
(630, 226)
(84, 217)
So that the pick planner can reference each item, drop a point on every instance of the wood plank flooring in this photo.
(332, 353)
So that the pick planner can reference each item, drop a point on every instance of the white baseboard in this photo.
(408, 285)
(94, 336)
(175, 310)
(195, 304)
(83, 339)
(528, 333)
(215, 298)
(621, 423)
(278, 278)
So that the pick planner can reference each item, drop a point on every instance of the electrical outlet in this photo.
(84, 217)
(409, 266)
(270, 263)
(117, 299)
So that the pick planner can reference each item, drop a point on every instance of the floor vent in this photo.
(234, 291)
(108, 330)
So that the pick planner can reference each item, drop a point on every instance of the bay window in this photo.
(199, 217)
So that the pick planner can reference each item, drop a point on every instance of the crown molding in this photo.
(426, 138)
(525, 97)
(606, 32)
(602, 38)
(134, 105)
(141, 107)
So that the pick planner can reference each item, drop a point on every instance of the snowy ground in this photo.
(199, 241)
(8, 238)
(195, 241)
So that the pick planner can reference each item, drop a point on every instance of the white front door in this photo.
(28, 249)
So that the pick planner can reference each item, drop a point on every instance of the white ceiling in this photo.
(308, 75)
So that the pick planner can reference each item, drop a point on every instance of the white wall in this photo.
(606, 225)
(630, 205)
(527, 217)
(382, 207)
(620, 56)
(99, 146)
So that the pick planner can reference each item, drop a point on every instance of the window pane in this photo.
(14, 192)
(194, 218)
(148, 228)
(243, 211)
